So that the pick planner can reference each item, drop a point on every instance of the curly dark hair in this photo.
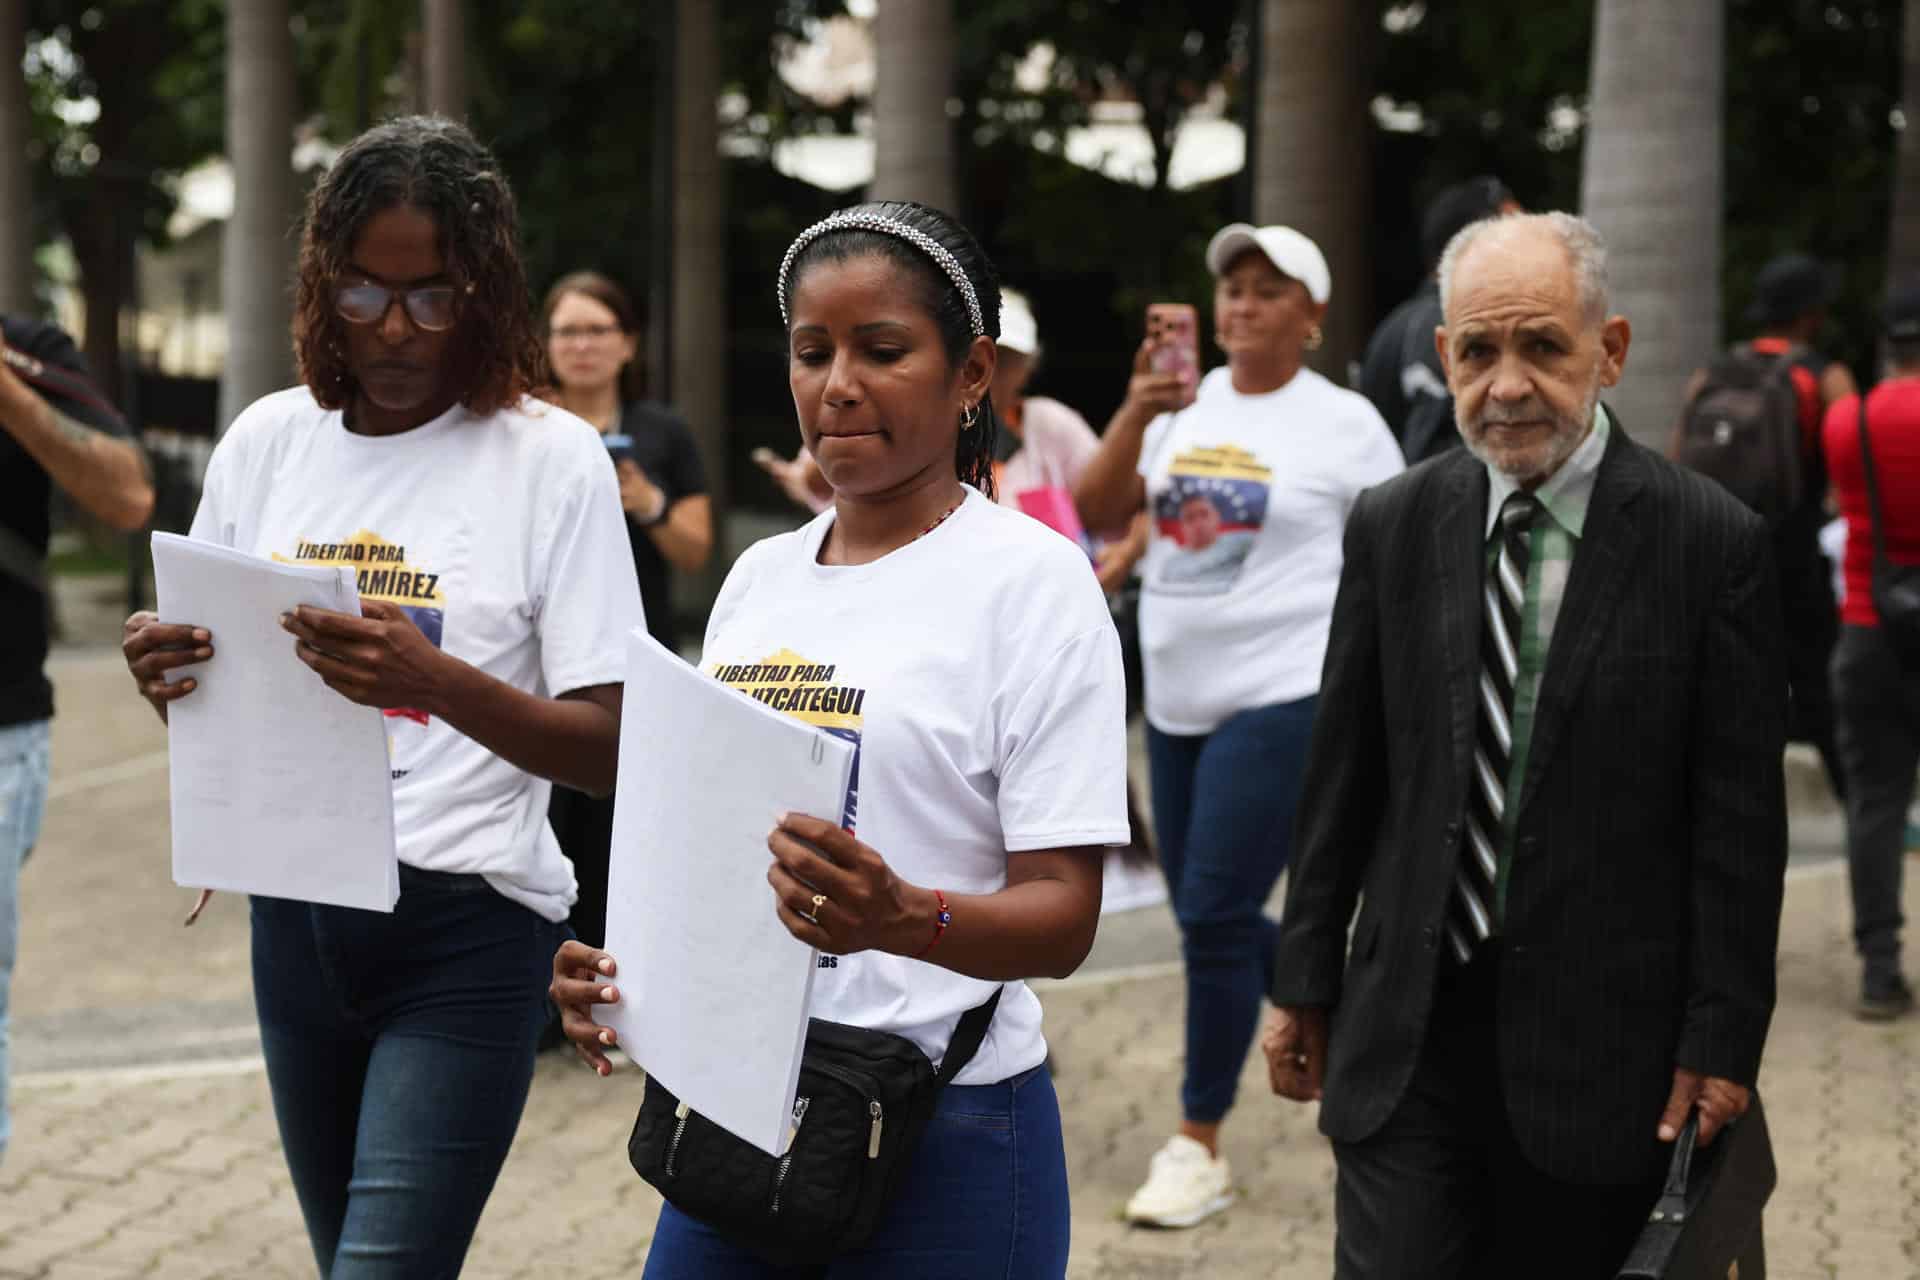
(438, 167)
(973, 449)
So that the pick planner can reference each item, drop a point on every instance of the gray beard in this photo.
(1566, 437)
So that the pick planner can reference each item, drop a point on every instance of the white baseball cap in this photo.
(1291, 253)
(1019, 331)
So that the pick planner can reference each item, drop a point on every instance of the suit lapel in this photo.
(1601, 564)
(1459, 550)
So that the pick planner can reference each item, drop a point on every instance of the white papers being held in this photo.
(714, 990)
(280, 786)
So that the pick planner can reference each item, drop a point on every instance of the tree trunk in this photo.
(1313, 134)
(16, 171)
(99, 231)
(699, 343)
(1903, 240)
(1651, 181)
(913, 75)
(257, 244)
(444, 25)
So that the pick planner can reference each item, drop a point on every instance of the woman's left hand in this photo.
(379, 659)
(848, 900)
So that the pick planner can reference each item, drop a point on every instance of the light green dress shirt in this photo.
(1564, 498)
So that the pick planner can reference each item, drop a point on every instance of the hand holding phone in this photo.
(1173, 338)
(619, 446)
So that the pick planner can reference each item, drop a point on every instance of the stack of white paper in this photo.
(280, 786)
(714, 989)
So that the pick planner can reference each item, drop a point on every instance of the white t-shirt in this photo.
(1249, 496)
(502, 538)
(978, 673)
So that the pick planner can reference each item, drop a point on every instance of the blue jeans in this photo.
(986, 1197)
(23, 801)
(1223, 807)
(399, 1049)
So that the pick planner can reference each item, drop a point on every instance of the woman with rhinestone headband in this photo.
(978, 671)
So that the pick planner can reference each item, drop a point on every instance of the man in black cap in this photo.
(56, 430)
(1401, 371)
(1789, 309)
(1876, 699)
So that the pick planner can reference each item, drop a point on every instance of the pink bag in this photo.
(1053, 507)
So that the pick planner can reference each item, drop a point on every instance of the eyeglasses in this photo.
(430, 307)
(583, 332)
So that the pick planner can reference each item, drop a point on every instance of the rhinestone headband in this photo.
(886, 227)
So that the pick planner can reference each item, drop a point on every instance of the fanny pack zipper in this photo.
(680, 1114)
(786, 1161)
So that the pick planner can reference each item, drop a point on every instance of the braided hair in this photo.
(973, 451)
(437, 167)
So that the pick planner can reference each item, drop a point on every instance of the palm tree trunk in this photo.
(1903, 239)
(16, 171)
(257, 248)
(1311, 168)
(1651, 181)
(444, 23)
(699, 341)
(913, 75)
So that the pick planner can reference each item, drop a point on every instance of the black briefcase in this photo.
(1706, 1224)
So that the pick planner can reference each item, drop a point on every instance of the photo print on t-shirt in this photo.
(805, 690)
(1210, 512)
(382, 572)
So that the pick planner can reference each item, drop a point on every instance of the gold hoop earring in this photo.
(1315, 338)
(969, 416)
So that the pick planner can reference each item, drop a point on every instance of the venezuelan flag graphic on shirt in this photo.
(1210, 513)
(807, 691)
(383, 572)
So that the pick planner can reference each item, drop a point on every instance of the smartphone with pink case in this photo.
(1174, 330)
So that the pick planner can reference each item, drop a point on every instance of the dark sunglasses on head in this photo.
(431, 307)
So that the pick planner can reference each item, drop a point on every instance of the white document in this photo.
(713, 989)
(280, 786)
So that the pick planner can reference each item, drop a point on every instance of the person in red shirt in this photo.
(1876, 701)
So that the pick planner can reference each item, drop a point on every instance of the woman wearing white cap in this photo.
(1248, 479)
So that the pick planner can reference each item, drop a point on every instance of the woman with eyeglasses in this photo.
(497, 588)
(593, 344)
(593, 341)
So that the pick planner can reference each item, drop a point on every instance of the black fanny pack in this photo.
(864, 1101)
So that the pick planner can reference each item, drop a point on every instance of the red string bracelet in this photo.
(940, 923)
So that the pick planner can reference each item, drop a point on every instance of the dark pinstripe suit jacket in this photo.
(1643, 906)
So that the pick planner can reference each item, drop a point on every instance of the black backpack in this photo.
(1741, 426)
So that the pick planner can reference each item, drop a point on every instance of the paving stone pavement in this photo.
(170, 1167)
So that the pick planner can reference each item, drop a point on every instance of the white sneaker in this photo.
(1184, 1186)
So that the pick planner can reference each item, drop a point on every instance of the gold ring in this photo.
(819, 901)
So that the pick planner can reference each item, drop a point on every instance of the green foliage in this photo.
(157, 76)
(1811, 88)
(567, 93)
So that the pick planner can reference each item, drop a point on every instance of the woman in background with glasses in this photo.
(496, 589)
(593, 340)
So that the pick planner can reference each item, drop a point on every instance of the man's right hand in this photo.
(152, 648)
(1295, 1042)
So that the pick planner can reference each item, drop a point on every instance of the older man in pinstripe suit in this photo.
(1547, 772)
